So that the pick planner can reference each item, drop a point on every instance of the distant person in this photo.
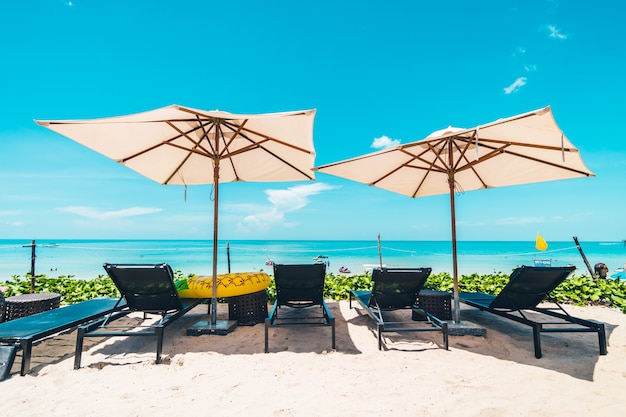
(601, 270)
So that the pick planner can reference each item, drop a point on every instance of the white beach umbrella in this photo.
(522, 149)
(185, 146)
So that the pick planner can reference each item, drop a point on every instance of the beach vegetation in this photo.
(72, 290)
(578, 290)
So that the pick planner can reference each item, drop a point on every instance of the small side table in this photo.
(248, 309)
(437, 303)
(26, 304)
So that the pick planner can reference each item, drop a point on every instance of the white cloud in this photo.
(519, 220)
(384, 142)
(11, 223)
(530, 68)
(15, 223)
(555, 32)
(517, 84)
(92, 213)
(282, 201)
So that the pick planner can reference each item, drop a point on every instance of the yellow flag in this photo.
(541, 243)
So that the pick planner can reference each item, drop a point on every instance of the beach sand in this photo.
(492, 375)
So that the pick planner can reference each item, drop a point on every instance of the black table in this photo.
(26, 304)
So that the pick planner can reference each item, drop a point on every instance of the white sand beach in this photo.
(494, 375)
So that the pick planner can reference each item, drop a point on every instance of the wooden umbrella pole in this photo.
(455, 270)
(216, 179)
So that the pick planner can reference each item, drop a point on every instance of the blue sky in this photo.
(376, 71)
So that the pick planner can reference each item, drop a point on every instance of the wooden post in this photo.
(593, 275)
(32, 266)
(228, 255)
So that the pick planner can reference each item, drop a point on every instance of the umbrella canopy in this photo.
(186, 146)
(522, 149)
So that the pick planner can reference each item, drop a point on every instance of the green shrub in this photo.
(579, 290)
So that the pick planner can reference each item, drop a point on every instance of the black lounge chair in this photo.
(301, 287)
(527, 287)
(397, 289)
(24, 331)
(148, 289)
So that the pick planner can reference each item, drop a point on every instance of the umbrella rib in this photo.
(177, 168)
(236, 129)
(470, 165)
(239, 130)
(269, 138)
(197, 144)
(168, 142)
(192, 150)
(432, 164)
(226, 154)
(205, 135)
(502, 149)
(399, 167)
(484, 141)
(547, 162)
(408, 165)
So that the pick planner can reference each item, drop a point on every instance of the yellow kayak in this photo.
(228, 285)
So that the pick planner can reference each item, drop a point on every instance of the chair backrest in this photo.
(299, 285)
(396, 288)
(146, 287)
(528, 286)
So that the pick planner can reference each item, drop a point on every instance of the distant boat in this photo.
(321, 259)
(269, 262)
(620, 273)
(369, 267)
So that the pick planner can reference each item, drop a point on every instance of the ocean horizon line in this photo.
(83, 258)
(48, 240)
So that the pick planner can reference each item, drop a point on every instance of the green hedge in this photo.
(579, 290)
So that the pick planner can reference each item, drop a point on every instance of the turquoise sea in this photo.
(84, 258)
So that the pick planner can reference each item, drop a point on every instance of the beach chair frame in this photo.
(398, 289)
(21, 333)
(527, 287)
(300, 286)
(145, 288)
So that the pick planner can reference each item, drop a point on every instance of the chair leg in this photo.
(332, 323)
(80, 334)
(380, 336)
(602, 339)
(159, 349)
(537, 339)
(267, 327)
(27, 350)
